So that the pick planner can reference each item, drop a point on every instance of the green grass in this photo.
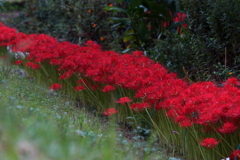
(37, 124)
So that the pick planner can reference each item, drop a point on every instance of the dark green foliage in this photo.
(145, 21)
(211, 49)
(179, 54)
(72, 20)
(6, 6)
(216, 23)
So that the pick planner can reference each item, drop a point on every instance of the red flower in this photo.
(235, 154)
(185, 123)
(209, 143)
(139, 106)
(32, 65)
(124, 100)
(82, 81)
(79, 88)
(227, 127)
(138, 53)
(56, 86)
(232, 82)
(35, 66)
(17, 62)
(108, 88)
(110, 112)
(66, 75)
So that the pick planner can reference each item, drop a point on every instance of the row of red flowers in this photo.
(201, 103)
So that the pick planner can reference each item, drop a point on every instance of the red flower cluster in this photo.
(108, 88)
(79, 88)
(124, 100)
(7, 35)
(18, 62)
(139, 106)
(179, 17)
(56, 86)
(209, 143)
(235, 155)
(201, 103)
(110, 112)
(31, 65)
(206, 104)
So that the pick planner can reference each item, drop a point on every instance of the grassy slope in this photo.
(37, 124)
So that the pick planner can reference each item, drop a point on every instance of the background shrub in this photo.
(211, 48)
(176, 52)
(70, 20)
(77, 21)
(146, 21)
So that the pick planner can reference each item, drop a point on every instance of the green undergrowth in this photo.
(36, 124)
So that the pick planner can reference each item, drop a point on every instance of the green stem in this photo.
(156, 126)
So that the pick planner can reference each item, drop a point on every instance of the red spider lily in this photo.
(18, 62)
(201, 103)
(124, 100)
(32, 65)
(108, 88)
(138, 53)
(66, 75)
(7, 35)
(22, 43)
(110, 112)
(79, 88)
(235, 155)
(139, 106)
(227, 127)
(186, 123)
(82, 81)
(209, 143)
(183, 121)
(56, 86)
(180, 17)
(232, 82)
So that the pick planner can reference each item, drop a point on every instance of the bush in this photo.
(211, 49)
(216, 23)
(70, 20)
(6, 5)
(179, 54)
(146, 21)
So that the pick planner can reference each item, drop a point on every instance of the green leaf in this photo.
(128, 36)
(121, 20)
(115, 9)
(176, 24)
(143, 32)
(116, 25)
